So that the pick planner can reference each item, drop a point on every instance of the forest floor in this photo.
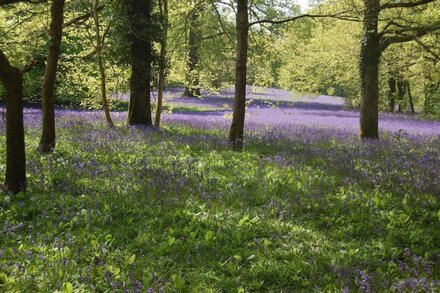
(305, 207)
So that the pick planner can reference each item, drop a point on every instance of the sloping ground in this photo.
(269, 107)
(306, 207)
(274, 107)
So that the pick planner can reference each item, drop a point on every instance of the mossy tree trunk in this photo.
(139, 19)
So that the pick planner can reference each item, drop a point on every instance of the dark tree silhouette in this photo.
(12, 79)
(139, 19)
(237, 127)
(47, 142)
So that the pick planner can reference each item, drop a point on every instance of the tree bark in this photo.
(47, 142)
(162, 62)
(237, 127)
(12, 80)
(401, 88)
(193, 80)
(139, 18)
(391, 94)
(410, 98)
(99, 45)
(369, 72)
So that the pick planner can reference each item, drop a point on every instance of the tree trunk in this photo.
(193, 80)
(400, 94)
(139, 18)
(410, 98)
(99, 44)
(369, 72)
(391, 94)
(47, 142)
(162, 62)
(237, 127)
(12, 80)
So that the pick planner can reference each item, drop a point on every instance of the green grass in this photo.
(176, 210)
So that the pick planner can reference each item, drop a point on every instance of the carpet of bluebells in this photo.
(305, 207)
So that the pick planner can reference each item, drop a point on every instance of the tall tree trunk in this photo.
(193, 80)
(237, 127)
(427, 100)
(391, 94)
(410, 98)
(99, 45)
(369, 72)
(401, 88)
(47, 142)
(12, 80)
(163, 60)
(139, 18)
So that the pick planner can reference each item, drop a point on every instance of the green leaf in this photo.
(209, 235)
(243, 220)
(251, 257)
(131, 259)
(179, 282)
(171, 240)
(266, 242)
(67, 287)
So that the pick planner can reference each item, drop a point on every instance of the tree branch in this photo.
(407, 35)
(7, 2)
(81, 17)
(405, 4)
(429, 50)
(339, 15)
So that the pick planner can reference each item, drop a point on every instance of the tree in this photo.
(163, 5)
(237, 126)
(99, 48)
(243, 26)
(392, 94)
(139, 20)
(12, 79)
(192, 88)
(47, 142)
(373, 44)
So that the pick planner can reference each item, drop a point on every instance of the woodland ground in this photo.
(305, 207)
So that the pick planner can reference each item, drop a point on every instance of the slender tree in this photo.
(163, 5)
(47, 142)
(391, 94)
(99, 48)
(12, 79)
(401, 91)
(192, 88)
(410, 98)
(242, 24)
